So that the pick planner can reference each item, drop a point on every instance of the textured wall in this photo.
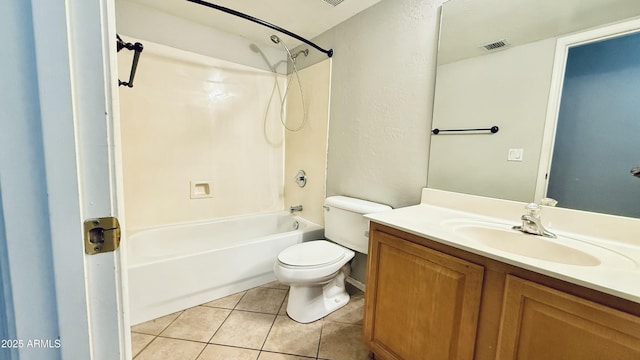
(381, 101)
(382, 87)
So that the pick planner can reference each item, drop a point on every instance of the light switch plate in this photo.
(515, 155)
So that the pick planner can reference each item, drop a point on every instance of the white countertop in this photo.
(615, 240)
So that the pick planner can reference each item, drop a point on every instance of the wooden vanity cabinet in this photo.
(421, 303)
(539, 322)
(429, 301)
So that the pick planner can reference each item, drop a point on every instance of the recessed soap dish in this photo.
(201, 189)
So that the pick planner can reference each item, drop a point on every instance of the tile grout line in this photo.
(201, 351)
(171, 323)
(209, 342)
(240, 310)
(288, 354)
(144, 347)
(273, 323)
(155, 336)
(320, 339)
(269, 332)
(226, 318)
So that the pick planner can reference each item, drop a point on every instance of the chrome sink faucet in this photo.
(531, 223)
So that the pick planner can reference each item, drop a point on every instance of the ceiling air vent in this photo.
(333, 2)
(496, 45)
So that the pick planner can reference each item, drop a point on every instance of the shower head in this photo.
(276, 40)
(304, 52)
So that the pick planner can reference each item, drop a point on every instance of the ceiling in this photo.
(307, 18)
(467, 25)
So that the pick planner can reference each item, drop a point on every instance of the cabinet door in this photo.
(542, 323)
(420, 303)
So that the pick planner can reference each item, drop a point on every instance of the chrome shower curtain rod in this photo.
(329, 52)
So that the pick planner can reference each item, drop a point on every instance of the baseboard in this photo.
(357, 284)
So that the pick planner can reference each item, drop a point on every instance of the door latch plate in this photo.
(101, 235)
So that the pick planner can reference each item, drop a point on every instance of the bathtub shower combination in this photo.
(175, 267)
(181, 265)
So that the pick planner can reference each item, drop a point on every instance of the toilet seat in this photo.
(312, 254)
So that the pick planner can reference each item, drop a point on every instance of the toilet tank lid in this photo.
(356, 205)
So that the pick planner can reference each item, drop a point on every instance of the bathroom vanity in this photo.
(450, 279)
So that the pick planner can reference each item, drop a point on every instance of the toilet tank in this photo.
(345, 224)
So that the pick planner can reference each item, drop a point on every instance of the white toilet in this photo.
(316, 270)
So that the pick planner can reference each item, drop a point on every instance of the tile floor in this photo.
(252, 325)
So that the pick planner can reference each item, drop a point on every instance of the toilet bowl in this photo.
(316, 270)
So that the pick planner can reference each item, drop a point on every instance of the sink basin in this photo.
(532, 246)
(561, 250)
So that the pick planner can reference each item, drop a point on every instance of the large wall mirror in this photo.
(495, 67)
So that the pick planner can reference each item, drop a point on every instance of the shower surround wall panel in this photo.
(194, 118)
(307, 148)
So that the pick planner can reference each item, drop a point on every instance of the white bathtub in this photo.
(179, 266)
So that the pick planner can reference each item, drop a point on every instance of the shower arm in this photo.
(329, 52)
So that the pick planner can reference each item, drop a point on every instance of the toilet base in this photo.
(308, 303)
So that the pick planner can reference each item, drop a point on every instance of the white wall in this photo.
(194, 118)
(28, 282)
(41, 164)
(510, 89)
(381, 101)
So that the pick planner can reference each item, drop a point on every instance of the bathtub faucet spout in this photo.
(293, 209)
